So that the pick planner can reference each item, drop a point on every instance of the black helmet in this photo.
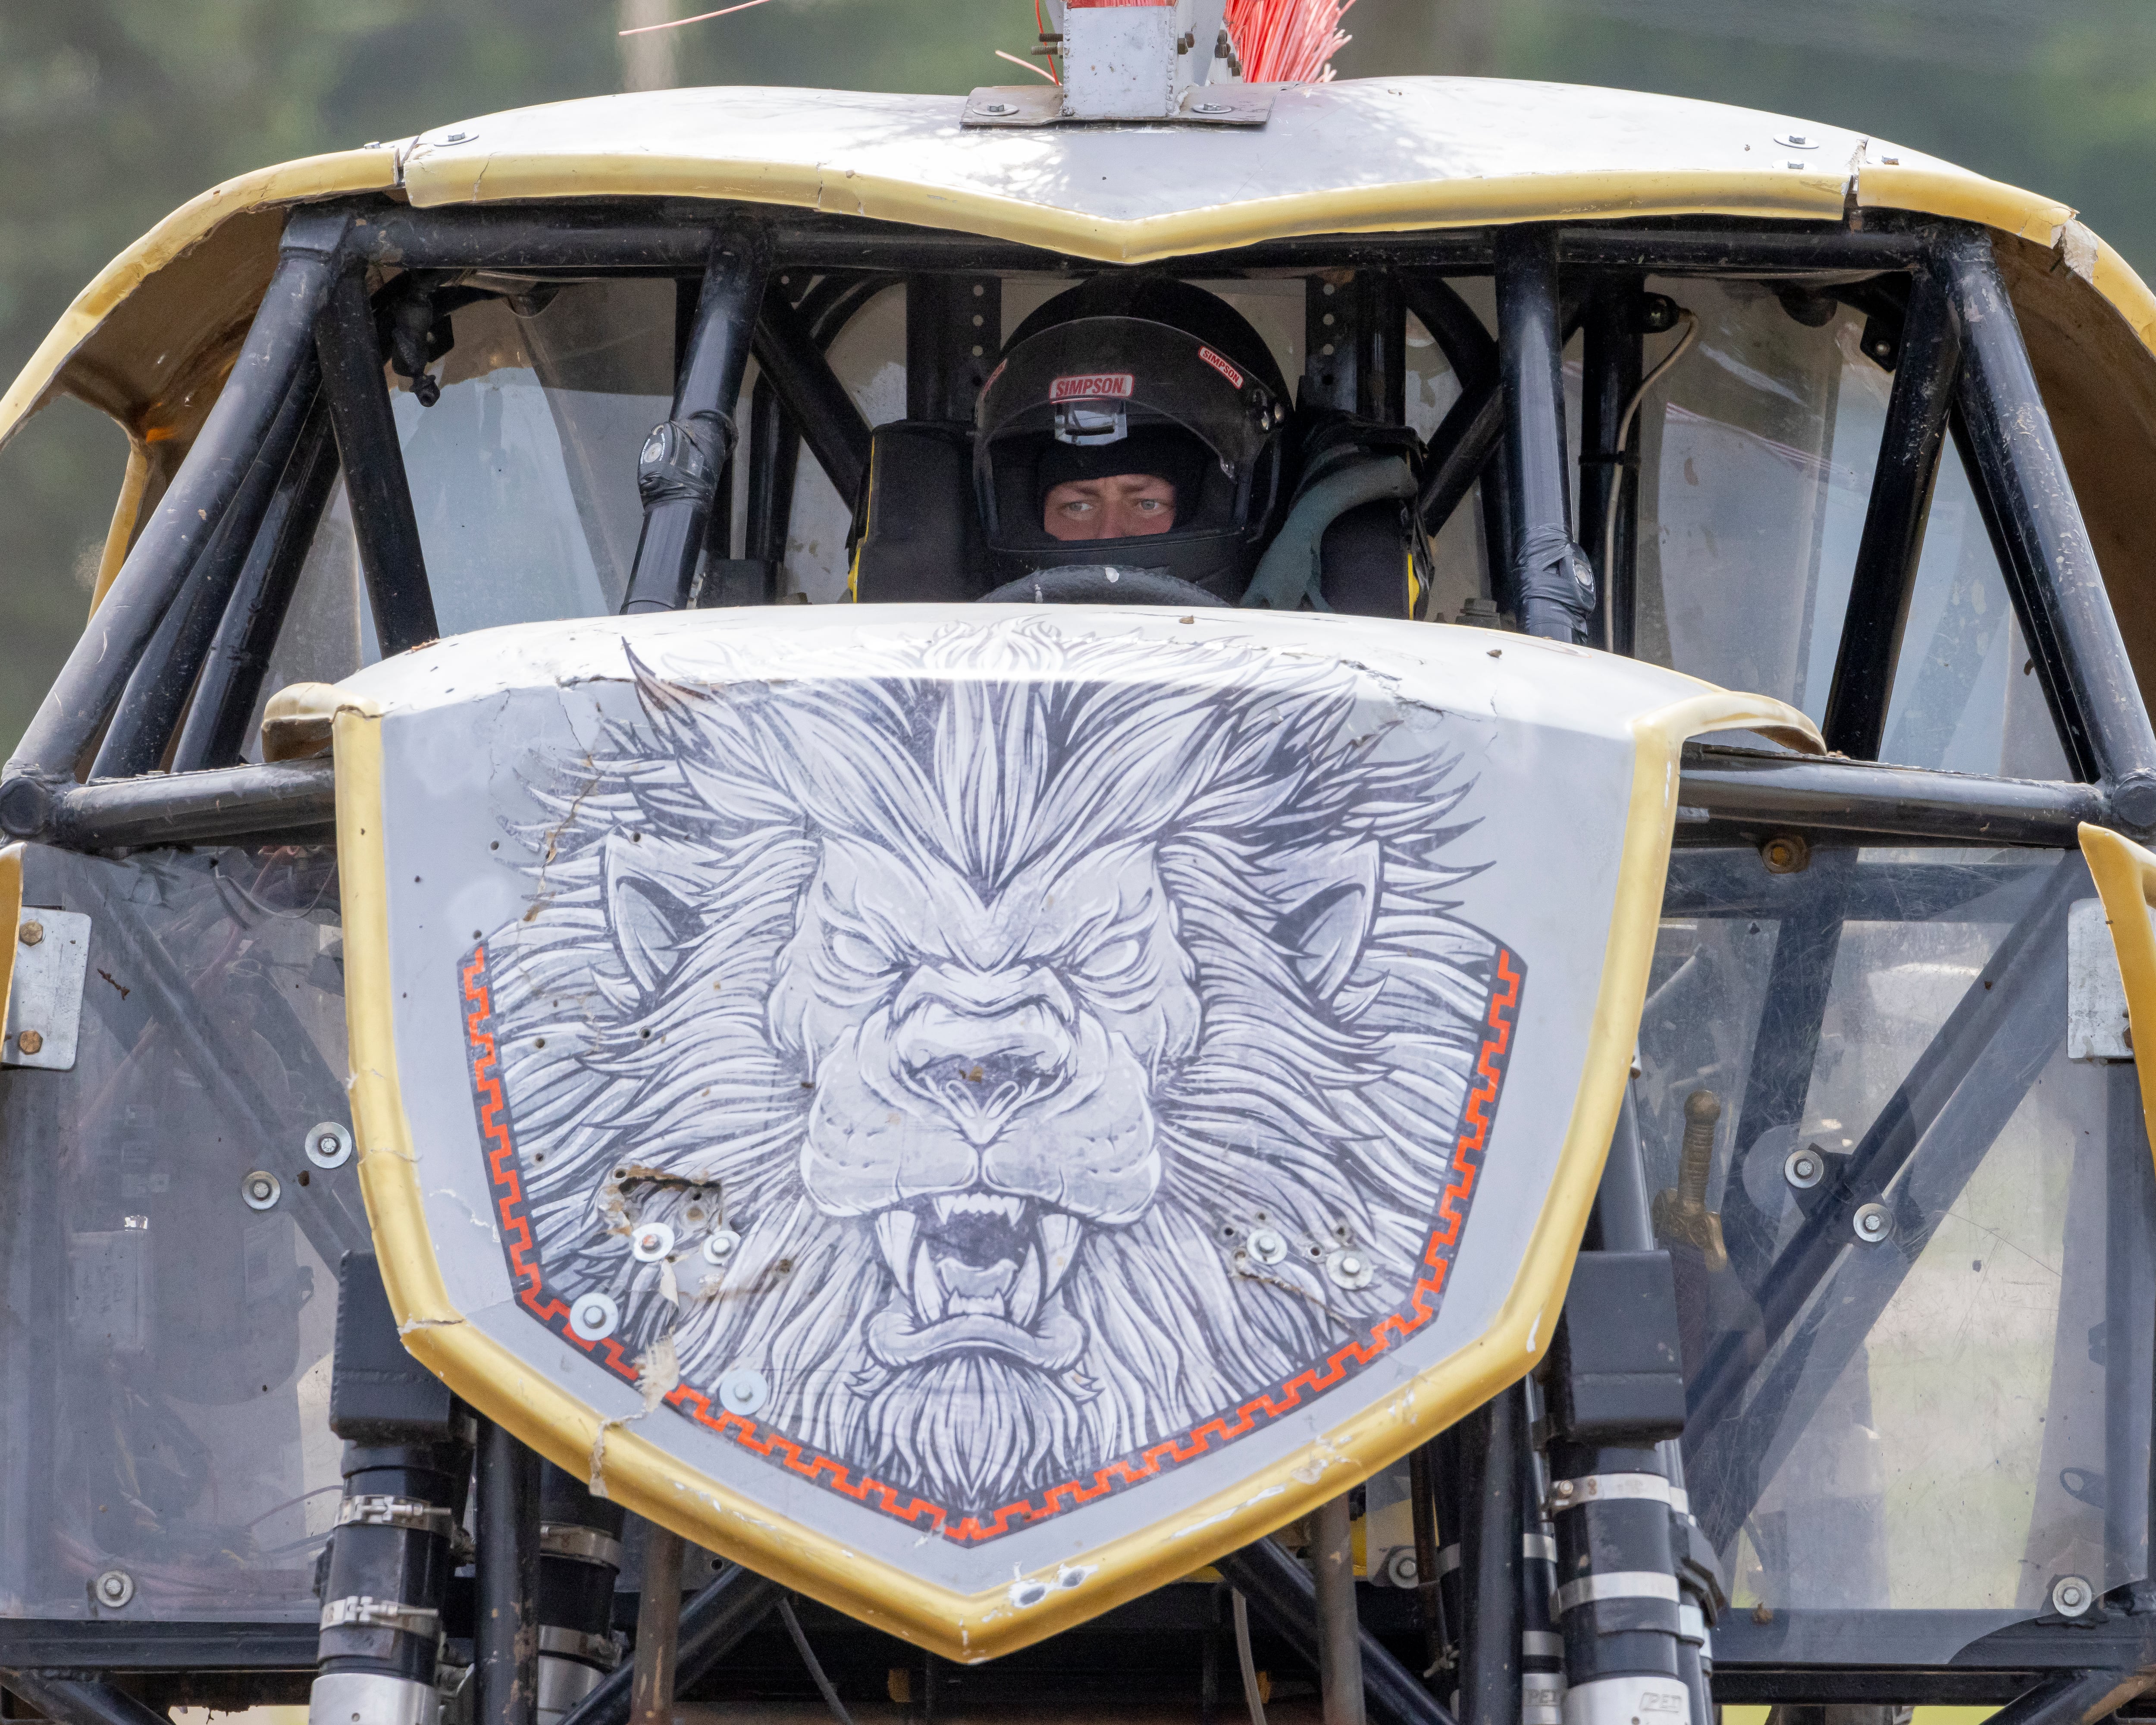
(1133, 374)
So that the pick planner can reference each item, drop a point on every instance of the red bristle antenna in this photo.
(1287, 41)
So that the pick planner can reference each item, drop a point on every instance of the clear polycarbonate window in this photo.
(166, 1339)
(1757, 452)
(1962, 1367)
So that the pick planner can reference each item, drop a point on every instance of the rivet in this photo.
(329, 1145)
(651, 1242)
(260, 1190)
(30, 934)
(719, 1244)
(594, 1316)
(743, 1390)
(1267, 1246)
(29, 1041)
(1350, 1267)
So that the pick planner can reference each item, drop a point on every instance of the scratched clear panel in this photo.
(164, 1346)
(1916, 1289)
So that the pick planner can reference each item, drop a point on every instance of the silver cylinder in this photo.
(563, 1683)
(371, 1698)
(1628, 1700)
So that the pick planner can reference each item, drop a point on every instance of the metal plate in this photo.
(2096, 1028)
(45, 998)
(999, 977)
(995, 106)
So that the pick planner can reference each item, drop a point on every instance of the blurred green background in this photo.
(114, 112)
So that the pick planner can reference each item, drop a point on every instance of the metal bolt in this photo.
(1564, 1489)
(743, 1390)
(651, 1242)
(1804, 1167)
(1210, 110)
(1798, 140)
(719, 1244)
(1400, 1567)
(594, 1316)
(113, 1588)
(1350, 1268)
(329, 1144)
(1786, 854)
(30, 934)
(460, 137)
(259, 1190)
(2070, 1596)
(1267, 1246)
(1872, 1223)
(29, 1041)
(998, 109)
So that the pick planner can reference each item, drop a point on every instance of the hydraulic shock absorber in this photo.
(1702, 1594)
(1616, 1392)
(407, 1465)
(579, 1556)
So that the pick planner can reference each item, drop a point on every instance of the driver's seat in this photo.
(917, 533)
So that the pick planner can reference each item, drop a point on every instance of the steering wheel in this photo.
(1099, 584)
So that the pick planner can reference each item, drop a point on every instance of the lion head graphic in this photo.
(1030, 1043)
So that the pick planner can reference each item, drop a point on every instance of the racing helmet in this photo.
(1133, 374)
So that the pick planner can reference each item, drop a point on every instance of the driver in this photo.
(1133, 421)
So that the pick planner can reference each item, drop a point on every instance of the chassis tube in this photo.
(1491, 1531)
(156, 570)
(505, 1638)
(1552, 583)
(2043, 544)
(711, 1626)
(682, 460)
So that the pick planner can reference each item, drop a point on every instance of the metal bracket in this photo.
(2096, 1028)
(375, 1509)
(1033, 104)
(44, 1001)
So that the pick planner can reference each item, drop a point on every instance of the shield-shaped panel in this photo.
(975, 1112)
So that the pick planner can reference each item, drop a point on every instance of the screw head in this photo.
(459, 137)
(719, 1245)
(1804, 1167)
(594, 1316)
(1798, 140)
(743, 1390)
(29, 1041)
(329, 1144)
(30, 934)
(651, 1242)
(113, 1588)
(260, 1189)
(1350, 1267)
(1400, 1568)
(1266, 1246)
(1564, 1489)
(2071, 1596)
(1872, 1223)
(1786, 854)
(998, 109)
(1211, 109)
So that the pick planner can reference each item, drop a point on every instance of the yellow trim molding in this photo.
(636, 1472)
(2125, 877)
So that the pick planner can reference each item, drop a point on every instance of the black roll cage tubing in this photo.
(198, 600)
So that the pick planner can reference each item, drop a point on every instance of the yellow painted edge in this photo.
(1962, 195)
(1421, 203)
(2125, 877)
(126, 511)
(310, 177)
(11, 915)
(969, 1629)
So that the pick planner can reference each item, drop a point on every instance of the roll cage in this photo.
(138, 746)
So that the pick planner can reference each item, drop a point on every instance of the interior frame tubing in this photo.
(633, 235)
(819, 405)
(1465, 441)
(2028, 503)
(377, 488)
(712, 1623)
(506, 1630)
(1910, 442)
(156, 572)
(1612, 363)
(1492, 1522)
(1531, 328)
(215, 733)
(737, 269)
(156, 695)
